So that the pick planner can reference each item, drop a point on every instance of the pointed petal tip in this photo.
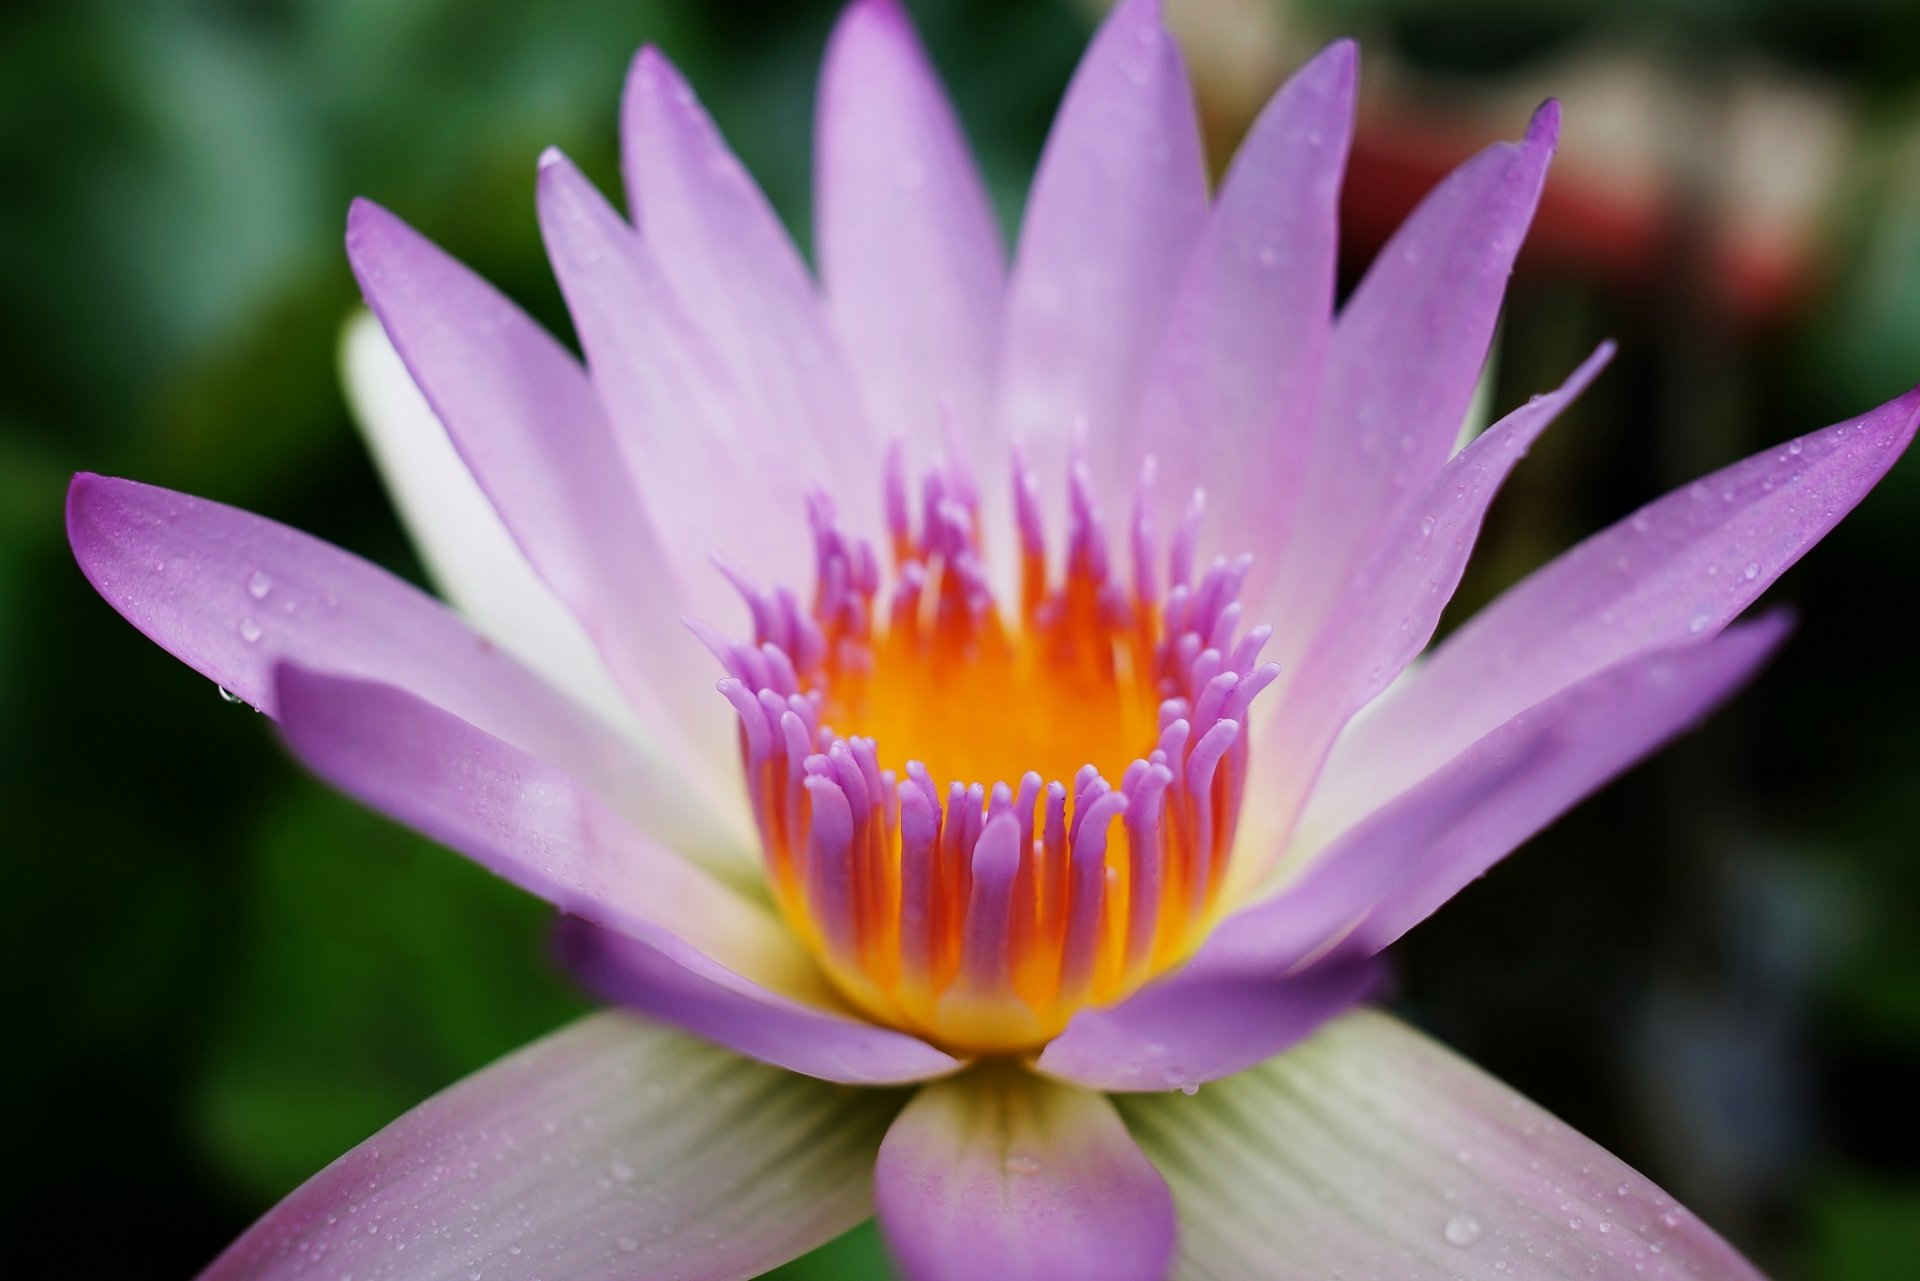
(890, 12)
(1150, 16)
(368, 222)
(1339, 61)
(653, 74)
(1544, 129)
(82, 490)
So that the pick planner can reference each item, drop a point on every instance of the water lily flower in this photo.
(1024, 879)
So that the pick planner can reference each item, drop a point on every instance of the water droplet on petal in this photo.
(620, 1170)
(249, 630)
(228, 696)
(1699, 623)
(1022, 1163)
(259, 584)
(1462, 1229)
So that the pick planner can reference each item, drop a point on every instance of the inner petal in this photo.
(982, 819)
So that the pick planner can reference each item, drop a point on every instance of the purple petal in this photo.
(527, 422)
(1403, 861)
(1242, 355)
(1003, 1174)
(472, 559)
(1406, 352)
(1390, 606)
(524, 820)
(1202, 1023)
(232, 594)
(1116, 208)
(909, 250)
(1371, 1151)
(1593, 732)
(719, 478)
(1678, 569)
(612, 1149)
(732, 266)
(678, 985)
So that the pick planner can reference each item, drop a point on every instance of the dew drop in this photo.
(249, 630)
(629, 1244)
(620, 1170)
(259, 584)
(1426, 525)
(1753, 569)
(1698, 623)
(1462, 1229)
(1022, 1163)
(228, 696)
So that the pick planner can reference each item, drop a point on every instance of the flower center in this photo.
(982, 824)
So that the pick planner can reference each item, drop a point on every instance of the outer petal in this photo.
(471, 557)
(525, 418)
(1003, 1174)
(1371, 1151)
(1241, 358)
(524, 820)
(909, 250)
(1116, 207)
(720, 477)
(1392, 603)
(231, 594)
(684, 988)
(1680, 568)
(732, 266)
(1388, 872)
(1406, 352)
(614, 1148)
(1202, 1023)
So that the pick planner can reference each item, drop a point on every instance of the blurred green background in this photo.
(221, 975)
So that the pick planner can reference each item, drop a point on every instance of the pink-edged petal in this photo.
(1390, 606)
(733, 267)
(1241, 358)
(910, 253)
(1395, 867)
(1592, 732)
(527, 822)
(1678, 569)
(525, 418)
(670, 981)
(614, 1148)
(468, 553)
(1405, 354)
(1272, 973)
(719, 478)
(1004, 1174)
(1205, 1022)
(1116, 208)
(231, 594)
(1371, 1151)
